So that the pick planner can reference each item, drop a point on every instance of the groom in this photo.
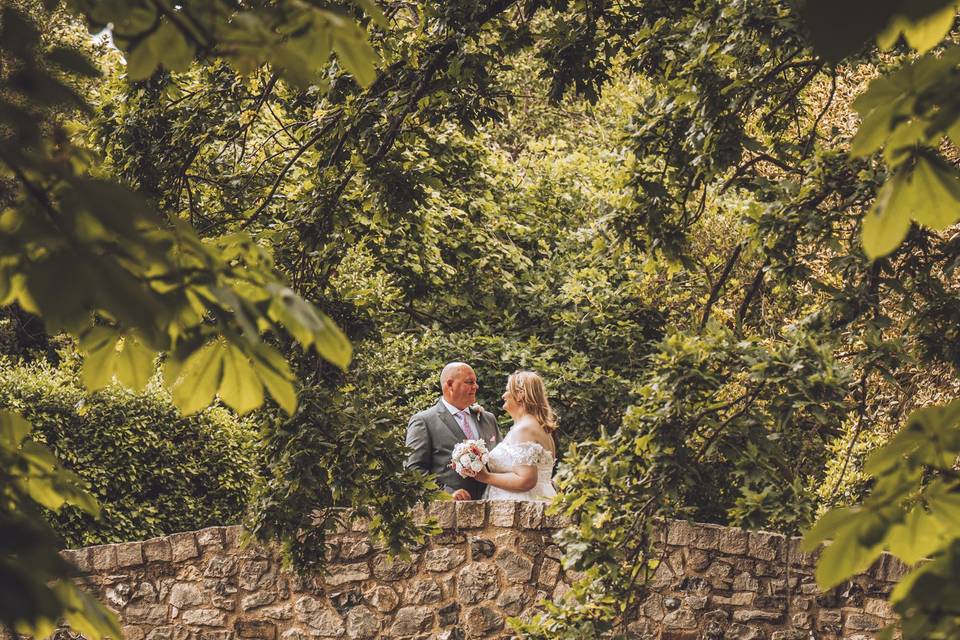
(432, 434)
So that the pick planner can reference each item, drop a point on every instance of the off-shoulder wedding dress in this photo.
(506, 455)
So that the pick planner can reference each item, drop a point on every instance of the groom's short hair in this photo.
(450, 370)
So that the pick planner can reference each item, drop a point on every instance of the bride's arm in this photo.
(522, 478)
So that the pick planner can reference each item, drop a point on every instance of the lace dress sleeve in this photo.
(528, 453)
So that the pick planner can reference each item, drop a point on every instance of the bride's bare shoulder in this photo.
(531, 432)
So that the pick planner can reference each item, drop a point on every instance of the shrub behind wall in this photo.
(153, 470)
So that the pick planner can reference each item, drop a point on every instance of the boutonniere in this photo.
(476, 408)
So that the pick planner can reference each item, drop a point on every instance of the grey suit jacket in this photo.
(431, 436)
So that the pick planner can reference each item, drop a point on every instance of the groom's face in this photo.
(463, 388)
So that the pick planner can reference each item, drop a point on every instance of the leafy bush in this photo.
(153, 470)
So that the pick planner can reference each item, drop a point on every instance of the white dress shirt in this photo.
(465, 413)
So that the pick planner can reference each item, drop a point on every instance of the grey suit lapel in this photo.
(488, 429)
(450, 422)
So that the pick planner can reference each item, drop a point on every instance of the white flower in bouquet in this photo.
(469, 454)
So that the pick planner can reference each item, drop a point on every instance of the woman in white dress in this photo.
(521, 466)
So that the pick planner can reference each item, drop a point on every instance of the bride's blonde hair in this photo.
(528, 391)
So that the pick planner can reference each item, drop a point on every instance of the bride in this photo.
(520, 467)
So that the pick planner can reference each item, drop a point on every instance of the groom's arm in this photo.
(418, 442)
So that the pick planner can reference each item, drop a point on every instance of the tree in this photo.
(139, 285)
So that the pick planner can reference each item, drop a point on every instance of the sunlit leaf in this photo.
(199, 378)
(240, 388)
(13, 429)
(888, 221)
(134, 363)
(916, 537)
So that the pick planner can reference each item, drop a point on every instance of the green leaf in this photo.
(39, 457)
(371, 9)
(276, 376)
(935, 193)
(919, 535)
(199, 378)
(888, 221)
(13, 429)
(142, 61)
(927, 32)
(43, 491)
(240, 388)
(826, 526)
(355, 53)
(175, 52)
(845, 557)
(92, 619)
(134, 363)
(99, 348)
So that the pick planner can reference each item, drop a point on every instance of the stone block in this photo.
(746, 582)
(706, 536)
(324, 621)
(342, 574)
(382, 598)
(211, 538)
(483, 621)
(503, 513)
(251, 572)
(862, 622)
(549, 573)
(232, 536)
(353, 549)
(423, 592)
(255, 629)
(392, 569)
(878, 607)
(449, 614)
(444, 512)
(756, 615)
(184, 595)
(443, 559)
(888, 568)
(132, 633)
(257, 600)
(183, 546)
(104, 558)
(477, 582)
(734, 542)
(470, 514)
(765, 546)
(555, 521)
(204, 617)
(481, 548)
(680, 619)
(221, 567)
(359, 523)
(157, 550)
(419, 514)
(412, 620)
(362, 623)
(129, 554)
(79, 558)
(160, 633)
(513, 600)
(680, 533)
(516, 568)
(530, 515)
(802, 620)
(739, 631)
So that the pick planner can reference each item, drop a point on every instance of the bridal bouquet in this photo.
(469, 454)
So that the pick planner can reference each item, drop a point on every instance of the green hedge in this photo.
(153, 470)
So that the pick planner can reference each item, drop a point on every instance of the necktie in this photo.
(465, 425)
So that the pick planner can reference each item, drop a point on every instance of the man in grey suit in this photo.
(432, 434)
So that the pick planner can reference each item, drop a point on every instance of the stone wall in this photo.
(493, 560)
